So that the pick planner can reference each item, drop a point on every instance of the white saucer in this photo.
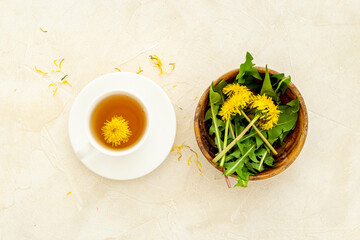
(158, 143)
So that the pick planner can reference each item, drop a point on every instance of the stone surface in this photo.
(45, 191)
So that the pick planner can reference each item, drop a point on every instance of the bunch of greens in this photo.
(252, 151)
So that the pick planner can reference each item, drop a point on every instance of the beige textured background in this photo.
(316, 42)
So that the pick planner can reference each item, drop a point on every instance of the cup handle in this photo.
(86, 152)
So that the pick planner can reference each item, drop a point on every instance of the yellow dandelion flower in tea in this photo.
(116, 131)
(268, 111)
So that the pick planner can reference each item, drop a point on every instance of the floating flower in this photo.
(116, 131)
(265, 107)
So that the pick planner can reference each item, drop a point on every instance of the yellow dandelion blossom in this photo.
(265, 107)
(116, 131)
(229, 108)
(242, 99)
(239, 98)
(237, 89)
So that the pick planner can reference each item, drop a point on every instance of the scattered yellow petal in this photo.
(55, 91)
(199, 163)
(43, 30)
(173, 66)
(66, 82)
(56, 87)
(61, 63)
(97, 209)
(157, 62)
(55, 62)
(118, 69)
(178, 149)
(55, 70)
(195, 98)
(116, 131)
(39, 71)
(197, 157)
(175, 85)
(140, 70)
(15, 90)
(68, 193)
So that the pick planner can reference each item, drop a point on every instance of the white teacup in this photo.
(95, 145)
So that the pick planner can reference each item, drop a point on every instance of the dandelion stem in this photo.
(262, 160)
(217, 133)
(223, 152)
(260, 134)
(225, 141)
(232, 169)
(233, 135)
(227, 179)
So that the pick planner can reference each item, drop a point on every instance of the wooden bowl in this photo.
(292, 143)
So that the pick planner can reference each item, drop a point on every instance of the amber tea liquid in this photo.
(118, 105)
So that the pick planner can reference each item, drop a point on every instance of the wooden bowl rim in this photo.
(287, 161)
